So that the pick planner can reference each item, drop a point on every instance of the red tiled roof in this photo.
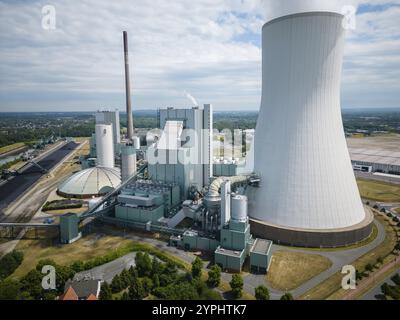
(91, 297)
(69, 294)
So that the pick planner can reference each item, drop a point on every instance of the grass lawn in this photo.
(82, 250)
(86, 249)
(331, 287)
(11, 147)
(379, 191)
(291, 269)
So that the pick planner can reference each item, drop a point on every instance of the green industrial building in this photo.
(69, 228)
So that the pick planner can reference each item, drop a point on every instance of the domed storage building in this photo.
(91, 182)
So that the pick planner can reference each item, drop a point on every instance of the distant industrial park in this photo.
(178, 208)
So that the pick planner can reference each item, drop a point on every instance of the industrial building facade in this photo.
(376, 160)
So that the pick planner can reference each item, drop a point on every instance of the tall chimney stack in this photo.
(128, 90)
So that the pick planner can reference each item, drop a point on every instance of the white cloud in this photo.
(203, 47)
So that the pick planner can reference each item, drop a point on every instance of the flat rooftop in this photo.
(379, 156)
(382, 149)
(228, 252)
(261, 246)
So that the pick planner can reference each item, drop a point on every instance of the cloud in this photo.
(211, 48)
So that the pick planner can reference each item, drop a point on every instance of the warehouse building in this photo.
(375, 160)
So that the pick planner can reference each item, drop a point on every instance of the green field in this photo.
(379, 191)
(86, 249)
(11, 147)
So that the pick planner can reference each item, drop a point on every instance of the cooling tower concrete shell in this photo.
(308, 191)
(104, 145)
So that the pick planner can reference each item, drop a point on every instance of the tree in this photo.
(116, 284)
(9, 263)
(369, 267)
(236, 285)
(126, 278)
(147, 284)
(156, 281)
(379, 260)
(32, 284)
(197, 266)
(156, 267)
(214, 276)
(287, 296)
(105, 292)
(136, 290)
(143, 264)
(396, 279)
(125, 296)
(262, 293)
(9, 290)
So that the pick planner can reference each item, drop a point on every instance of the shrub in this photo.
(9, 263)
(287, 296)
(62, 204)
(262, 293)
(236, 285)
(214, 276)
(369, 267)
(197, 266)
(396, 279)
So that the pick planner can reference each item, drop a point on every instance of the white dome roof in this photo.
(90, 182)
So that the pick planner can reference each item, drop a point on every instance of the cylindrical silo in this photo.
(104, 145)
(128, 162)
(239, 207)
(308, 193)
(136, 142)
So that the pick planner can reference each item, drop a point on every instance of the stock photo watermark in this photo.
(48, 17)
(349, 281)
(49, 280)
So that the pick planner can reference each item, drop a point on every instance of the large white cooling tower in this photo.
(307, 181)
(104, 145)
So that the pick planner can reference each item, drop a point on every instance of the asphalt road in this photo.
(108, 271)
(12, 189)
(370, 176)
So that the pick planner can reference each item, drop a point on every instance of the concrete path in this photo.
(108, 271)
(375, 292)
(366, 282)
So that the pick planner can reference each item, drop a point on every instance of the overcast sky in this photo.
(208, 48)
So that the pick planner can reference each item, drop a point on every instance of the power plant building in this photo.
(165, 158)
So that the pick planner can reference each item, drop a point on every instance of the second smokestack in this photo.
(128, 89)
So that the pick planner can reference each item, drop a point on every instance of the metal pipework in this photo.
(212, 199)
(128, 89)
